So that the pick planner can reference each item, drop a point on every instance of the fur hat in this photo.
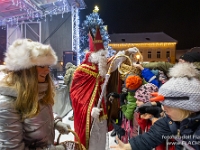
(182, 90)
(25, 53)
(191, 57)
(144, 92)
(133, 82)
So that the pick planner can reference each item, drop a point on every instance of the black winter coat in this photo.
(165, 128)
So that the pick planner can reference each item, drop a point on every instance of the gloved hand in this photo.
(119, 130)
(118, 60)
(120, 53)
(96, 112)
(62, 127)
(153, 110)
(122, 98)
(147, 104)
(112, 96)
(133, 50)
(139, 66)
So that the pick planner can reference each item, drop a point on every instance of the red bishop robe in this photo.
(85, 92)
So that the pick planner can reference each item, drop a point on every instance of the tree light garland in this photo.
(92, 21)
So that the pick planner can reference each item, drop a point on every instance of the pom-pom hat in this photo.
(182, 90)
(133, 82)
(25, 53)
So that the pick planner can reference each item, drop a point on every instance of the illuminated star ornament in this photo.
(96, 9)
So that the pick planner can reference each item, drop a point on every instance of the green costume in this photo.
(129, 108)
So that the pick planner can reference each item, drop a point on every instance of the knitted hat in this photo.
(133, 82)
(182, 90)
(25, 53)
(68, 65)
(191, 57)
(144, 92)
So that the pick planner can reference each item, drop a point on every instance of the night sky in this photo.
(180, 19)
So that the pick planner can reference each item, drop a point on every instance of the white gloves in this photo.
(118, 61)
(133, 50)
(120, 53)
(96, 112)
(62, 127)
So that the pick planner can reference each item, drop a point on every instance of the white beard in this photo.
(99, 58)
(103, 67)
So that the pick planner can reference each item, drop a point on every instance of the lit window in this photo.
(167, 54)
(158, 54)
(149, 54)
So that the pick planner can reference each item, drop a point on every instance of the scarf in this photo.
(42, 88)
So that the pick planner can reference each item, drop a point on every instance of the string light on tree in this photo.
(92, 21)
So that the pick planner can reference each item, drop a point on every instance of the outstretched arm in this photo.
(119, 60)
(163, 66)
(149, 140)
(121, 145)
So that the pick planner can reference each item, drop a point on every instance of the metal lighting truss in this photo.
(20, 31)
(75, 31)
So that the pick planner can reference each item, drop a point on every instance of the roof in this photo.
(12, 11)
(195, 49)
(140, 37)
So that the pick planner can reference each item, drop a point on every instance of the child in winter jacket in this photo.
(180, 99)
(142, 121)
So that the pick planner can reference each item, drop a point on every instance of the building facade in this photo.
(156, 46)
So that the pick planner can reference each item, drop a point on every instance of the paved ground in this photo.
(71, 137)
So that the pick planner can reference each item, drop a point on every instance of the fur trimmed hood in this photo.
(25, 53)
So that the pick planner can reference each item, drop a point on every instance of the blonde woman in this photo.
(180, 97)
(27, 92)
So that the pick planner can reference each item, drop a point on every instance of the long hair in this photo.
(26, 84)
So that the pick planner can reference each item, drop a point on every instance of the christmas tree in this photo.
(92, 21)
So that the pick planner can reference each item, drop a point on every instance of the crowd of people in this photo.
(156, 107)
(168, 115)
